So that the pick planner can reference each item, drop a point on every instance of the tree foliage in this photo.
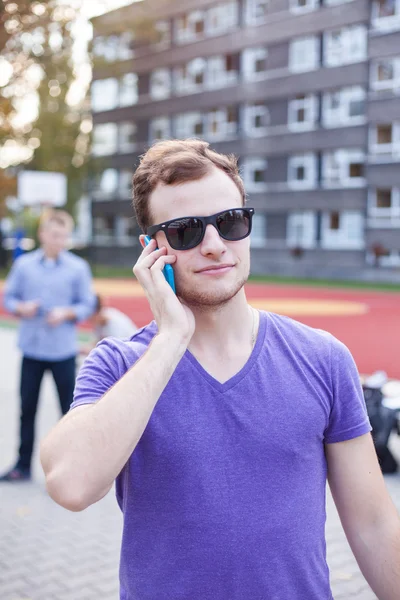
(37, 46)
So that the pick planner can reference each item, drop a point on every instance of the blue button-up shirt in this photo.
(65, 282)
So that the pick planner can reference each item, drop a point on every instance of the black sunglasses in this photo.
(185, 233)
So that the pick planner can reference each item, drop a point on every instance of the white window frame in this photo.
(250, 165)
(109, 130)
(164, 31)
(301, 229)
(351, 46)
(392, 149)
(340, 117)
(308, 161)
(128, 90)
(258, 236)
(310, 105)
(185, 76)
(391, 214)
(304, 54)
(216, 74)
(185, 124)
(185, 27)
(343, 158)
(106, 237)
(125, 177)
(385, 84)
(226, 129)
(341, 239)
(252, 14)
(250, 113)
(104, 94)
(160, 84)
(250, 56)
(226, 14)
(122, 235)
(335, 2)
(127, 129)
(106, 184)
(297, 8)
(160, 123)
(386, 23)
(391, 259)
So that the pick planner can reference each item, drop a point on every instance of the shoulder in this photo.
(74, 261)
(27, 260)
(299, 333)
(316, 347)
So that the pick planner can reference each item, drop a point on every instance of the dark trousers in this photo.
(32, 372)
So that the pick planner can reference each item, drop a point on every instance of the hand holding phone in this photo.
(167, 270)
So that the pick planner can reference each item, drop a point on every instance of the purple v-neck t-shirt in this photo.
(224, 496)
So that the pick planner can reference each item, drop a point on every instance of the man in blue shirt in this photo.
(50, 289)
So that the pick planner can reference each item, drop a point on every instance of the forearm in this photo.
(378, 554)
(87, 449)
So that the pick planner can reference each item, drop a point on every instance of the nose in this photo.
(212, 243)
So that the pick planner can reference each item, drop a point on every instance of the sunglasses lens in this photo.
(184, 233)
(234, 224)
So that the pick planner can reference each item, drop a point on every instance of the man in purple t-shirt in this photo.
(220, 423)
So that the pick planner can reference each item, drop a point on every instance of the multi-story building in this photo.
(306, 94)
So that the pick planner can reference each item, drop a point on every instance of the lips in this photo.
(215, 268)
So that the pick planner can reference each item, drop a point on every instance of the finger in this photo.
(157, 268)
(151, 246)
(146, 262)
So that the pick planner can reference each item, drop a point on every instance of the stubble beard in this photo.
(203, 299)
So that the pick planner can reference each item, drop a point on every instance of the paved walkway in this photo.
(47, 553)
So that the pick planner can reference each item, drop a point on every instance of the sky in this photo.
(96, 7)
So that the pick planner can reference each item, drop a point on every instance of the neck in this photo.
(224, 328)
(49, 254)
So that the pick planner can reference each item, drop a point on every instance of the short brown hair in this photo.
(60, 217)
(176, 161)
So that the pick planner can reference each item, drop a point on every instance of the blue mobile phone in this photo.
(167, 270)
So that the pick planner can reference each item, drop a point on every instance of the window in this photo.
(191, 124)
(104, 94)
(344, 107)
(303, 112)
(255, 63)
(343, 168)
(190, 77)
(304, 54)
(385, 139)
(386, 14)
(113, 47)
(128, 89)
(301, 229)
(385, 74)
(104, 229)
(160, 84)
(106, 183)
(256, 11)
(256, 119)
(221, 71)
(222, 18)
(384, 205)
(342, 231)
(300, 6)
(345, 46)
(254, 174)
(302, 171)
(258, 236)
(160, 128)
(190, 27)
(162, 35)
(127, 137)
(221, 123)
(387, 258)
(125, 230)
(104, 139)
(125, 183)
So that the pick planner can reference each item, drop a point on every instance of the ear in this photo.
(141, 240)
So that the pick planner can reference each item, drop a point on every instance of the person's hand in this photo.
(171, 315)
(57, 315)
(28, 310)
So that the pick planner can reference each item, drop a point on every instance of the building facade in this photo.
(306, 94)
